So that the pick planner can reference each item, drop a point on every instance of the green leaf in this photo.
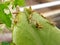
(3, 16)
(5, 43)
(7, 3)
(10, 15)
(2, 7)
(19, 2)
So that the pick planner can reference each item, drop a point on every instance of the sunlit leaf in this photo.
(3, 16)
(19, 2)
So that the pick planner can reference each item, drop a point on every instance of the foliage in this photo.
(19, 2)
(7, 18)
(3, 16)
